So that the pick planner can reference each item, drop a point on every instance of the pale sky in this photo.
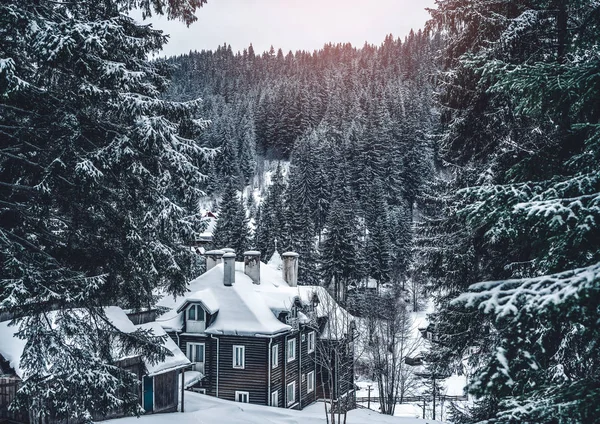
(293, 24)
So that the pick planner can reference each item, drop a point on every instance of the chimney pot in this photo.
(213, 258)
(252, 265)
(290, 268)
(228, 269)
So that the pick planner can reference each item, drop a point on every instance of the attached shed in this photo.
(159, 381)
(9, 384)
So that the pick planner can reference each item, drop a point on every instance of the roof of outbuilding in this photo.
(12, 347)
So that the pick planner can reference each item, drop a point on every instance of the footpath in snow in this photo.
(202, 409)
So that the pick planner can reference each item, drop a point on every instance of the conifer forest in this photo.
(454, 170)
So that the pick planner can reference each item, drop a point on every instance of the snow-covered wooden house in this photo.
(255, 336)
(159, 382)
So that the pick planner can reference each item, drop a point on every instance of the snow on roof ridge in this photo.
(246, 308)
(205, 296)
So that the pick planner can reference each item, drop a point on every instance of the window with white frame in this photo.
(311, 342)
(275, 398)
(243, 397)
(275, 356)
(239, 356)
(195, 353)
(291, 393)
(291, 349)
(310, 382)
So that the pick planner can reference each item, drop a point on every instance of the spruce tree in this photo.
(272, 223)
(379, 245)
(232, 224)
(528, 219)
(98, 189)
(341, 258)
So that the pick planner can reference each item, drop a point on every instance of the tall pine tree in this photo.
(98, 189)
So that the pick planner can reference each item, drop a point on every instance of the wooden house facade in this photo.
(252, 334)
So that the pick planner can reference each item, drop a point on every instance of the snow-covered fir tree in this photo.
(98, 193)
(271, 225)
(232, 224)
(522, 125)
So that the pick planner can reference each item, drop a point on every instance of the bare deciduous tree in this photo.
(391, 339)
(336, 356)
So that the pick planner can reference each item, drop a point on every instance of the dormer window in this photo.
(196, 319)
(196, 313)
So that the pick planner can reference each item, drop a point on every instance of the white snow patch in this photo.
(11, 347)
(178, 360)
(202, 409)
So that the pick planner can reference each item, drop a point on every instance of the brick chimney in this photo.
(290, 268)
(252, 265)
(213, 258)
(228, 269)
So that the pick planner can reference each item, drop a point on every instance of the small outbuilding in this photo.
(159, 382)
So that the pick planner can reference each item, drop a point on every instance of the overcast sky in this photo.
(293, 24)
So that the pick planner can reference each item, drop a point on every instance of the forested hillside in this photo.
(357, 125)
(501, 111)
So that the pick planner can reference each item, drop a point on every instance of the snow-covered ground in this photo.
(202, 409)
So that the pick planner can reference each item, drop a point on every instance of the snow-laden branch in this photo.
(510, 297)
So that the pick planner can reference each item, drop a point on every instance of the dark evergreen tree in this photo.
(379, 245)
(98, 188)
(271, 225)
(526, 214)
(232, 223)
(340, 257)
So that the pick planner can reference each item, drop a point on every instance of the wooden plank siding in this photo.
(253, 378)
(142, 317)
(8, 390)
(342, 373)
(166, 392)
(308, 365)
(277, 373)
(292, 371)
(210, 357)
(258, 366)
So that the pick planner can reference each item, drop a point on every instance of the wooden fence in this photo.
(414, 399)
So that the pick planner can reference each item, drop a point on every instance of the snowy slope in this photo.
(201, 409)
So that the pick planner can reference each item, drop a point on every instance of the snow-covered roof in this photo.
(177, 361)
(192, 377)
(205, 296)
(246, 308)
(276, 262)
(12, 347)
(241, 310)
